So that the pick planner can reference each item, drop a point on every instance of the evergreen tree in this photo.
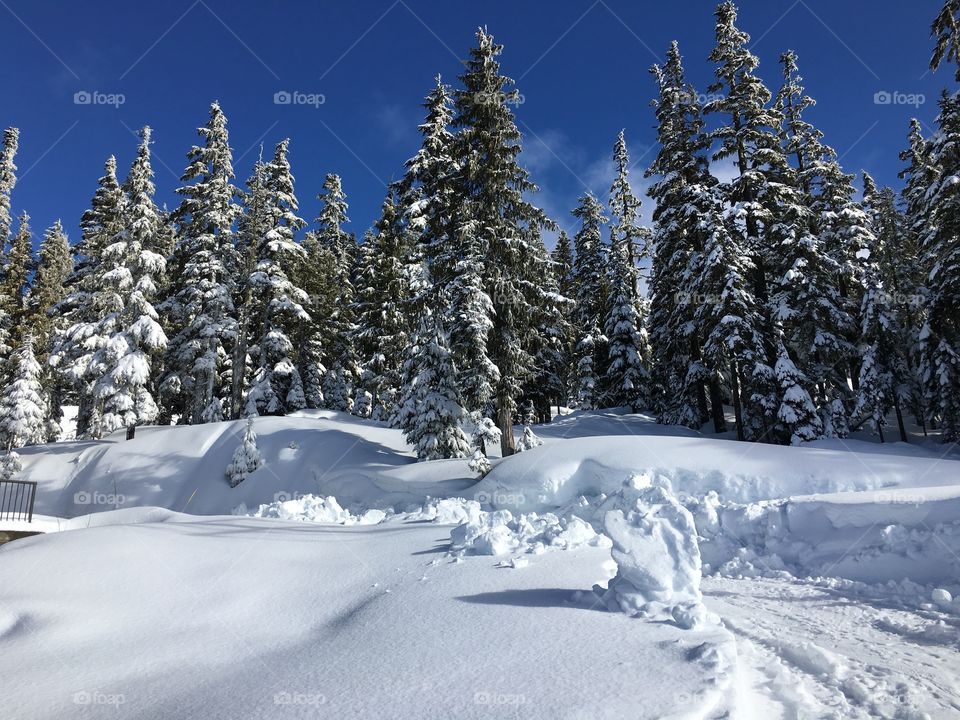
(590, 288)
(17, 268)
(381, 291)
(343, 366)
(680, 168)
(247, 458)
(24, 406)
(498, 228)
(45, 319)
(128, 335)
(797, 417)
(278, 302)
(86, 303)
(946, 30)
(626, 377)
(201, 303)
(436, 413)
(8, 179)
(940, 258)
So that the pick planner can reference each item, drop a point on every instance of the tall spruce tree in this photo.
(201, 303)
(45, 315)
(129, 334)
(626, 378)
(498, 226)
(680, 167)
(278, 303)
(86, 303)
(591, 292)
(24, 410)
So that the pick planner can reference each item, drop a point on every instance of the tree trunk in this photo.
(716, 405)
(903, 430)
(737, 405)
(508, 444)
(880, 431)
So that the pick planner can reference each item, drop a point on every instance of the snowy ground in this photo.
(345, 580)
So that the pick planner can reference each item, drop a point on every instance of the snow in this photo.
(620, 569)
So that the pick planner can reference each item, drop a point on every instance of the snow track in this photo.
(807, 651)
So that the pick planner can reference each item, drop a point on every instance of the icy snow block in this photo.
(658, 559)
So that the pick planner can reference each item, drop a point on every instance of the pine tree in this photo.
(18, 266)
(24, 405)
(8, 180)
(940, 259)
(946, 30)
(626, 379)
(86, 304)
(590, 288)
(45, 318)
(129, 335)
(798, 420)
(343, 366)
(201, 303)
(562, 257)
(278, 302)
(247, 458)
(381, 327)
(437, 413)
(497, 227)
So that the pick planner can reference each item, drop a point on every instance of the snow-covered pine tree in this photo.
(24, 405)
(278, 312)
(626, 379)
(940, 259)
(381, 326)
(678, 373)
(247, 458)
(884, 376)
(128, 335)
(762, 190)
(798, 420)
(17, 268)
(343, 366)
(8, 180)
(45, 319)
(84, 307)
(437, 414)
(498, 227)
(10, 465)
(590, 293)
(946, 30)
(200, 305)
(562, 257)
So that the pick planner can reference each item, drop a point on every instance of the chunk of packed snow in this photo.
(655, 548)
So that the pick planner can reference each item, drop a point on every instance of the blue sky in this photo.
(581, 67)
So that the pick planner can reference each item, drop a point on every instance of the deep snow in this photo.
(344, 579)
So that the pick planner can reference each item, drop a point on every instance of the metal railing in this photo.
(16, 499)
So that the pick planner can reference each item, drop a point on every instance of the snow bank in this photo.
(311, 508)
(553, 475)
(871, 537)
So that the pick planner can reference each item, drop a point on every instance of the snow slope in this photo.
(183, 468)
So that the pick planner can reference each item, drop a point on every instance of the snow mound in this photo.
(555, 474)
(313, 508)
(655, 548)
(500, 533)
